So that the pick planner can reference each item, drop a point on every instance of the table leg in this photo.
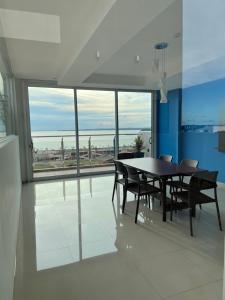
(164, 198)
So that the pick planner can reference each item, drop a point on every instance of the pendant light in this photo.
(159, 68)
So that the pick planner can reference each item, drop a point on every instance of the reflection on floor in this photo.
(74, 244)
(68, 228)
(72, 172)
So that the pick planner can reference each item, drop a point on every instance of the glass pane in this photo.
(96, 115)
(135, 123)
(3, 107)
(52, 121)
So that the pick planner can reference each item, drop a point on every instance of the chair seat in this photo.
(123, 181)
(151, 176)
(196, 197)
(178, 184)
(145, 189)
(205, 185)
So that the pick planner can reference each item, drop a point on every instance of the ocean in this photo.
(52, 140)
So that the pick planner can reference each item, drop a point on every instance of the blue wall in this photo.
(168, 125)
(203, 147)
(203, 108)
(186, 125)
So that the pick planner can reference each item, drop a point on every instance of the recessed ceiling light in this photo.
(137, 58)
(98, 54)
(177, 35)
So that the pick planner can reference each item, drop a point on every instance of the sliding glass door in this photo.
(77, 131)
(52, 123)
(96, 118)
(134, 115)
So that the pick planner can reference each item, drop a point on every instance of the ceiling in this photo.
(118, 30)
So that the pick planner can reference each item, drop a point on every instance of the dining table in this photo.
(162, 170)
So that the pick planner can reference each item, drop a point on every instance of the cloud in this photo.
(50, 117)
(95, 108)
(64, 107)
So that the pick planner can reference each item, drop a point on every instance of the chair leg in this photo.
(146, 199)
(218, 210)
(175, 190)
(124, 198)
(200, 206)
(190, 216)
(171, 208)
(194, 212)
(170, 189)
(114, 189)
(137, 208)
(160, 187)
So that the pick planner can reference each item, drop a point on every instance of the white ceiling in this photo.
(118, 29)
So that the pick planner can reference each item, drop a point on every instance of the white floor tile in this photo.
(80, 246)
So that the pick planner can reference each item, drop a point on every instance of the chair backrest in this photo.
(189, 163)
(120, 168)
(125, 155)
(133, 175)
(167, 158)
(204, 180)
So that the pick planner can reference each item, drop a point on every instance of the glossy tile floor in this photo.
(75, 244)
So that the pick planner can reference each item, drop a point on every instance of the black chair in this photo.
(193, 195)
(167, 158)
(153, 179)
(125, 155)
(179, 184)
(121, 177)
(138, 187)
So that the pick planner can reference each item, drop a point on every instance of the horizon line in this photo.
(91, 129)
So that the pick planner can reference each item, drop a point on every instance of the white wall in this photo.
(10, 194)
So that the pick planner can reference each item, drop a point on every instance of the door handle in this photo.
(31, 146)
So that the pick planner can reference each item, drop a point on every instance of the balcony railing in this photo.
(57, 152)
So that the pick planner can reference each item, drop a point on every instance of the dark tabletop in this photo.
(157, 167)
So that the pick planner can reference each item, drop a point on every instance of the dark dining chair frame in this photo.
(193, 195)
(139, 188)
(154, 179)
(120, 170)
(179, 184)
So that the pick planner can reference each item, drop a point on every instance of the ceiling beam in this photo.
(123, 21)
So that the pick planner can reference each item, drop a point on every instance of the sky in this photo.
(53, 109)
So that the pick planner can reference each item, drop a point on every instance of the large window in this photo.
(75, 131)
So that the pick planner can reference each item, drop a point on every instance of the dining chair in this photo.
(194, 195)
(120, 177)
(179, 184)
(166, 158)
(125, 155)
(154, 179)
(139, 188)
